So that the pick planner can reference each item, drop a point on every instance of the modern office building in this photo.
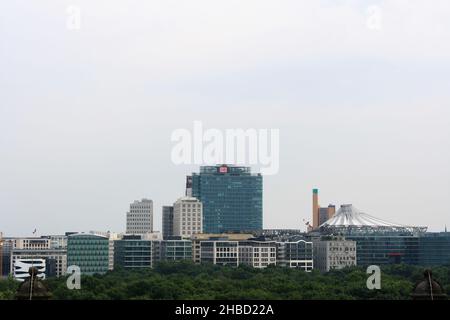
(388, 248)
(295, 253)
(175, 249)
(31, 243)
(56, 259)
(334, 253)
(258, 254)
(133, 252)
(88, 251)
(232, 198)
(22, 267)
(140, 217)
(434, 249)
(167, 221)
(378, 242)
(6, 257)
(198, 238)
(187, 217)
(112, 236)
(34, 249)
(220, 252)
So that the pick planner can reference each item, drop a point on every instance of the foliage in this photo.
(185, 280)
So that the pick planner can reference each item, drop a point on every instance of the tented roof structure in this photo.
(348, 217)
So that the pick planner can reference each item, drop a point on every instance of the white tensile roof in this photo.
(348, 216)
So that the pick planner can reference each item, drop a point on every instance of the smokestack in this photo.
(315, 208)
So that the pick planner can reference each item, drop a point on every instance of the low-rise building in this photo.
(133, 252)
(54, 259)
(175, 249)
(334, 253)
(434, 249)
(220, 252)
(258, 254)
(22, 267)
(198, 238)
(30, 249)
(295, 254)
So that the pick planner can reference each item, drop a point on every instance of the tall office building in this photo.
(140, 217)
(167, 221)
(232, 198)
(187, 217)
(321, 215)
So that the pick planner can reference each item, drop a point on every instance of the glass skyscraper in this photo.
(231, 197)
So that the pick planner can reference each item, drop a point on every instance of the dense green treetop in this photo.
(185, 280)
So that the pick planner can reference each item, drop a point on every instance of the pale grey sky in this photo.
(362, 103)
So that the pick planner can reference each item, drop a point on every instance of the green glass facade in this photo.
(232, 198)
(133, 253)
(89, 252)
(386, 249)
(435, 249)
(174, 250)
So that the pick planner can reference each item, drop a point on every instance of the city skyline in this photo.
(358, 90)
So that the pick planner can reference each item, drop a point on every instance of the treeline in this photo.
(185, 280)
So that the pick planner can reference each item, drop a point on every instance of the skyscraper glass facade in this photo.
(231, 196)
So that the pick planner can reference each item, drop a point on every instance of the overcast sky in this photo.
(360, 91)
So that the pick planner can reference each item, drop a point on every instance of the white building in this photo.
(199, 237)
(58, 241)
(22, 267)
(140, 217)
(31, 243)
(220, 252)
(334, 253)
(187, 217)
(36, 249)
